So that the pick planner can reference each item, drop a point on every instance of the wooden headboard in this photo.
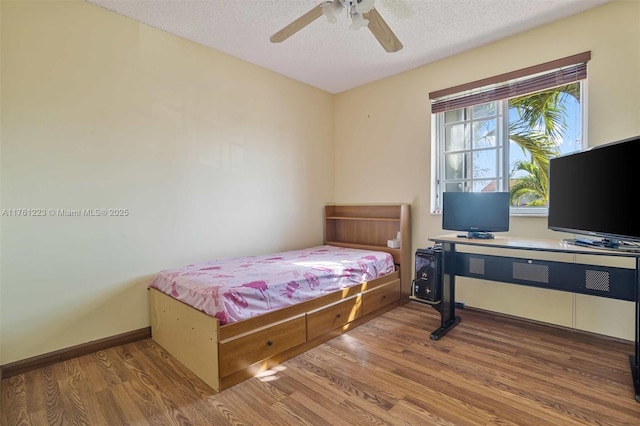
(370, 227)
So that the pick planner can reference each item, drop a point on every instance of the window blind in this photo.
(516, 83)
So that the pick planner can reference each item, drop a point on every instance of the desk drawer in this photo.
(240, 352)
(381, 296)
(333, 316)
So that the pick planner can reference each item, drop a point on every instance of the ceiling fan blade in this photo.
(382, 32)
(297, 25)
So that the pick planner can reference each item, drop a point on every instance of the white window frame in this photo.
(437, 157)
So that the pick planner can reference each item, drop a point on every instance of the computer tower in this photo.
(427, 285)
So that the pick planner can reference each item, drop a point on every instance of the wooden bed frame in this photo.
(223, 356)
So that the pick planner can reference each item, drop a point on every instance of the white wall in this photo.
(385, 129)
(212, 157)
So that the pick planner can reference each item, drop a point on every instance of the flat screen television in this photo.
(477, 213)
(595, 192)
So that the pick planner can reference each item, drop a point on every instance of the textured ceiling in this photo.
(332, 57)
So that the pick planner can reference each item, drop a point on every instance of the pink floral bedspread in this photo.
(240, 288)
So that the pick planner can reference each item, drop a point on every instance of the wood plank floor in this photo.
(490, 370)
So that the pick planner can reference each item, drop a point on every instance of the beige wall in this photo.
(0, 202)
(384, 128)
(212, 157)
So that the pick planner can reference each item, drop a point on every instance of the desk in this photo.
(603, 281)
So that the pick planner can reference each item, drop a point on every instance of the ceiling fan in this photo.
(361, 12)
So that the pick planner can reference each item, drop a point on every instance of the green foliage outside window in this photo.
(542, 122)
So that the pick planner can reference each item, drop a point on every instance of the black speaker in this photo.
(428, 282)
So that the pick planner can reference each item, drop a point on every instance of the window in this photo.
(500, 136)
(472, 156)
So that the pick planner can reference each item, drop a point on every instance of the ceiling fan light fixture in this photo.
(364, 6)
(361, 12)
(358, 21)
(330, 9)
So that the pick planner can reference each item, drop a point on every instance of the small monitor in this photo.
(477, 213)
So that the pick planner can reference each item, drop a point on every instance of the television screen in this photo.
(595, 192)
(477, 213)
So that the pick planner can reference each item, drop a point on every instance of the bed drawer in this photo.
(381, 296)
(327, 318)
(241, 351)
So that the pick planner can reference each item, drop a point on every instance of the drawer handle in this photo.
(269, 343)
(338, 316)
(384, 297)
